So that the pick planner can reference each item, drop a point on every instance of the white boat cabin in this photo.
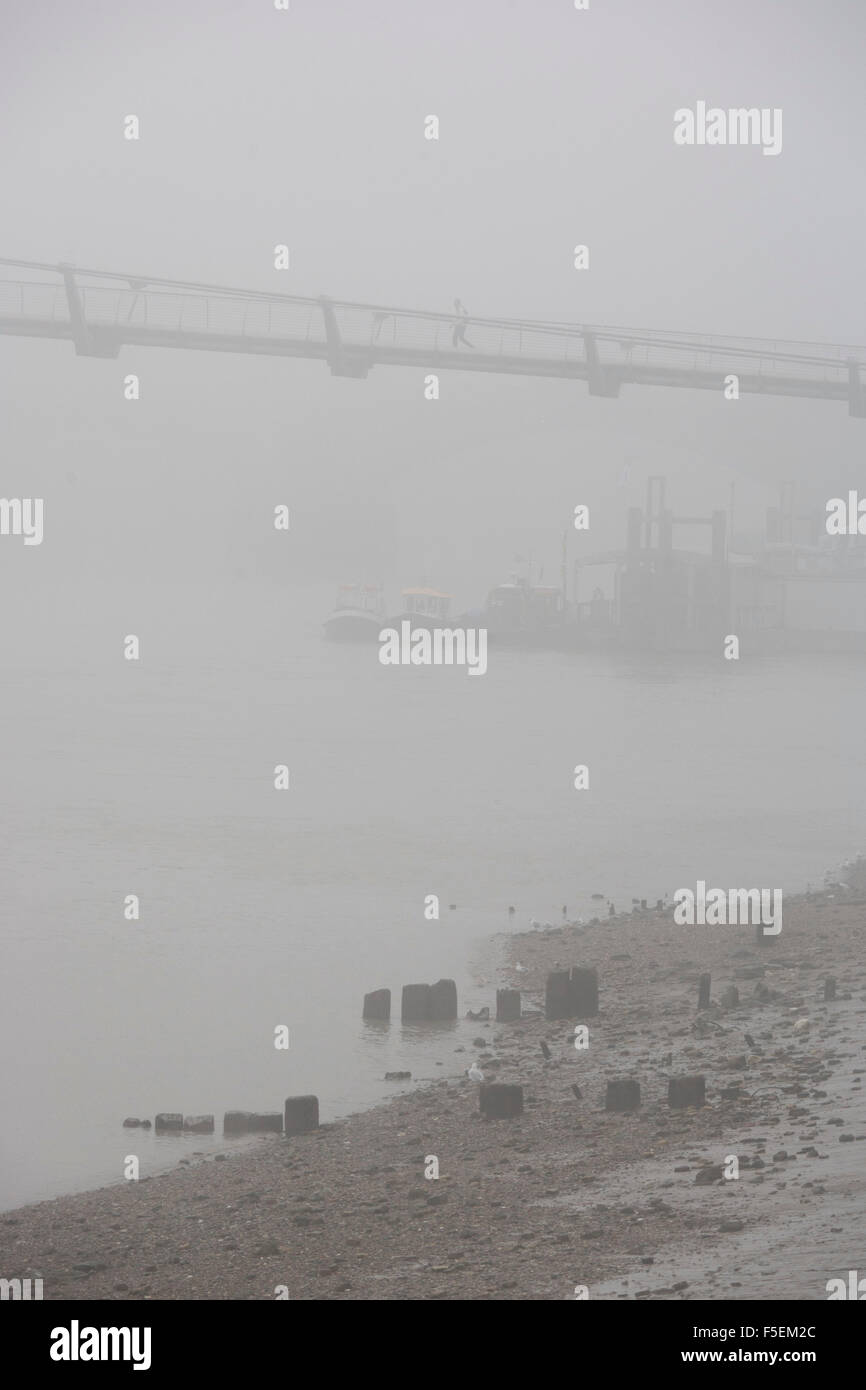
(426, 603)
(364, 598)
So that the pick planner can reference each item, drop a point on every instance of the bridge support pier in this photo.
(88, 342)
(856, 394)
(602, 382)
(80, 330)
(341, 361)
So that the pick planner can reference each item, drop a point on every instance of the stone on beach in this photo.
(623, 1094)
(499, 1101)
(686, 1090)
(302, 1114)
(377, 1005)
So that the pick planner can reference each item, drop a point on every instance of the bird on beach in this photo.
(475, 1073)
(520, 968)
(546, 1050)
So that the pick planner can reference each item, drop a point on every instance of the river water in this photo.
(261, 907)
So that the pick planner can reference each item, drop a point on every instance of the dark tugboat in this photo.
(521, 613)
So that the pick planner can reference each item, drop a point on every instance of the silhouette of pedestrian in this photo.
(459, 333)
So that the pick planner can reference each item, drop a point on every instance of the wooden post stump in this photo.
(416, 1005)
(168, 1121)
(500, 1102)
(269, 1122)
(507, 1005)
(557, 997)
(378, 1005)
(236, 1121)
(571, 993)
(623, 1094)
(302, 1114)
(443, 1001)
(584, 988)
(198, 1124)
(686, 1090)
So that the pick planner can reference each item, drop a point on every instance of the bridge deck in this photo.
(101, 318)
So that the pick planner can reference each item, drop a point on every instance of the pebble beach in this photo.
(568, 1200)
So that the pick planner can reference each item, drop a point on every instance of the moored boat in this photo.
(521, 613)
(423, 608)
(359, 614)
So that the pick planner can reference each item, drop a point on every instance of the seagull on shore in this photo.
(475, 1073)
(520, 967)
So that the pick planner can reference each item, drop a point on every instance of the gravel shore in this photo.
(566, 1196)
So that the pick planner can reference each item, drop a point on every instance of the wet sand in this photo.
(566, 1195)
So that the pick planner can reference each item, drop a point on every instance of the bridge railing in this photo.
(387, 333)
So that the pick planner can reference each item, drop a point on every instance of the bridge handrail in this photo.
(627, 340)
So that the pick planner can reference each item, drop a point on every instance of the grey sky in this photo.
(259, 127)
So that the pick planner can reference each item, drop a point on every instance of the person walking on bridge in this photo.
(459, 333)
